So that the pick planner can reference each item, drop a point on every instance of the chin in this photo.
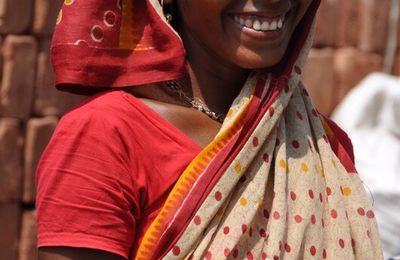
(254, 60)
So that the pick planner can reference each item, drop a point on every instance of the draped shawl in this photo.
(278, 180)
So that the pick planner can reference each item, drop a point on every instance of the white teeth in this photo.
(265, 26)
(260, 24)
(280, 24)
(257, 25)
(248, 23)
(273, 26)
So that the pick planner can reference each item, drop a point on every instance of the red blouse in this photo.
(106, 173)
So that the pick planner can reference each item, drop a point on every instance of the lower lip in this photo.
(269, 36)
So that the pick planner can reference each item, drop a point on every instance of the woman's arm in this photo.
(70, 253)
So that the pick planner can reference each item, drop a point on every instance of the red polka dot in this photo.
(251, 231)
(353, 243)
(176, 250)
(264, 255)
(255, 142)
(271, 111)
(320, 197)
(361, 211)
(286, 88)
(277, 215)
(244, 228)
(287, 248)
(263, 233)
(299, 115)
(218, 196)
(311, 194)
(370, 214)
(313, 219)
(266, 214)
(334, 213)
(208, 255)
(295, 144)
(235, 253)
(313, 250)
(227, 252)
(298, 219)
(249, 256)
(293, 195)
(297, 69)
(324, 254)
(328, 191)
(266, 158)
(197, 220)
(276, 257)
(314, 112)
(341, 243)
(226, 230)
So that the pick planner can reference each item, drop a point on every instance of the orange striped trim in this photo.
(184, 185)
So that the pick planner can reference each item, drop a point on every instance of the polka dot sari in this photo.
(277, 182)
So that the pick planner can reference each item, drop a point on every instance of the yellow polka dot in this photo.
(304, 167)
(282, 163)
(230, 112)
(333, 163)
(260, 202)
(59, 17)
(347, 191)
(243, 201)
(238, 168)
(69, 2)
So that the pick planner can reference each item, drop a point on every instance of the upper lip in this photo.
(273, 12)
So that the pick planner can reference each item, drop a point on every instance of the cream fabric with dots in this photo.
(286, 195)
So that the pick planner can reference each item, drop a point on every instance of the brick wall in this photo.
(350, 43)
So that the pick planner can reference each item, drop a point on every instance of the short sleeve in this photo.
(86, 196)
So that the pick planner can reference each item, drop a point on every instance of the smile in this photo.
(258, 23)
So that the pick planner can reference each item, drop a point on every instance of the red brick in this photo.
(48, 100)
(16, 93)
(27, 245)
(326, 24)
(319, 78)
(347, 23)
(374, 21)
(10, 160)
(15, 16)
(38, 133)
(10, 220)
(45, 15)
(351, 66)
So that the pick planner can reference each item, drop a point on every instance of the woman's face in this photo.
(247, 33)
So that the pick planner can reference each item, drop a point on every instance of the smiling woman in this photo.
(200, 140)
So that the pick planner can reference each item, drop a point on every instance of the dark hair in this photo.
(173, 10)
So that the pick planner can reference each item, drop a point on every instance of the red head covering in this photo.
(113, 43)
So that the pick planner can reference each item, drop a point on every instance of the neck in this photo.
(212, 80)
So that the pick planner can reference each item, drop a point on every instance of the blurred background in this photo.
(354, 39)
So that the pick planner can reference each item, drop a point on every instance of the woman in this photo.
(137, 173)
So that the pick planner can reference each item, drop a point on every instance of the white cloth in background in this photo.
(370, 114)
